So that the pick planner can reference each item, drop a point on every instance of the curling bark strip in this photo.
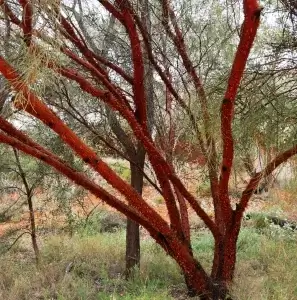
(249, 30)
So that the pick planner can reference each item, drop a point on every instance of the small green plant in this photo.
(100, 221)
(203, 189)
(259, 220)
(122, 170)
(126, 174)
(159, 200)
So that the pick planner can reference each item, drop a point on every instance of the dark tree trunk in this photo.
(33, 229)
(132, 233)
(29, 195)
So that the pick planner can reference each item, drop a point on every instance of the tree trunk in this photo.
(224, 261)
(33, 229)
(29, 195)
(132, 232)
(200, 282)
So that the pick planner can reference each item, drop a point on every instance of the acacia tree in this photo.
(38, 23)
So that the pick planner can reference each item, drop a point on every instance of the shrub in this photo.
(100, 221)
(159, 200)
(122, 170)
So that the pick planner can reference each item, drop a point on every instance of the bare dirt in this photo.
(49, 218)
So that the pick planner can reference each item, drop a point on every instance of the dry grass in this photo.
(266, 267)
(97, 266)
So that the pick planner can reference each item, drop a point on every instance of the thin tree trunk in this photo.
(33, 229)
(30, 206)
(132, 232)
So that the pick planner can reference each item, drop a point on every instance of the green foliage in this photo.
(260, 220)
(203, 189)
(122, 170)
(266, 268)
(203, 246)
(159, 200)
(99, 221)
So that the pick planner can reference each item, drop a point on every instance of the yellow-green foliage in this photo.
(203, 189)
(122, 170)
(159, 200)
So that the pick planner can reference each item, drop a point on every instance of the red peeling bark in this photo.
(225, 246)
